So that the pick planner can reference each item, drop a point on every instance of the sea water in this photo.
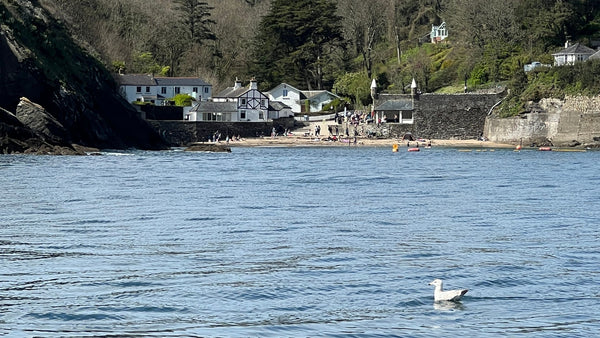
(300, 242)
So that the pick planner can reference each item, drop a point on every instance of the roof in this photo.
(576, 49)
(278, 106)
(136, 80)
(181, 81)
(396, 105)
(149, 80)
(314, 93)
(232, 92)
(215, 107)
(595, 56)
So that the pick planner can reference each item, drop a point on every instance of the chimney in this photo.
(238, 84)
(567, 44)
(253, 84)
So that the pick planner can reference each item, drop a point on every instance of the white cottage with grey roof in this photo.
(296, 98)
(572, 54)
(158, 90)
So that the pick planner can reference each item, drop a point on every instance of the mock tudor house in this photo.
(157, 90)
(239, 104)
(296, 98)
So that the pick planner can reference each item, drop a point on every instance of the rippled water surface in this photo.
(300, 242)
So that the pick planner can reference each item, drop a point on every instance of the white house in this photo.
(572, 54)
(438, 33)
(157, 90)
(239, 104)
(296, 99)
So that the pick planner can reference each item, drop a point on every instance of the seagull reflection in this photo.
(448, 306)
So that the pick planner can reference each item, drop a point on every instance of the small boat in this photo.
(414, 149)
(545, 149)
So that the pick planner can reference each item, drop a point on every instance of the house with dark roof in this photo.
(398, 110)
(239, 104)
(572, 54)
(158, 90)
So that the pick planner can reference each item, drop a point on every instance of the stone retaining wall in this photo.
(182, 133)
(558, 122)
(445, 116)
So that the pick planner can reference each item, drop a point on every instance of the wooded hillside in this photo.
(331, 44)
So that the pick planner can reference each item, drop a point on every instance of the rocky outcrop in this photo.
(71, 97)
(209, 147)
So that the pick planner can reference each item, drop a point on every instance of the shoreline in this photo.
(303, 141)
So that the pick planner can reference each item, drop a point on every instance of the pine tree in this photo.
(294, 42)
(196, 19)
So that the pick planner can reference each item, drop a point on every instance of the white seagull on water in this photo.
(451, 295)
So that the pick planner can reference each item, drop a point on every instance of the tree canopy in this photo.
(331, 44)
(294, 42)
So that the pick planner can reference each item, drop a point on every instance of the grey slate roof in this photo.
(232, 92)
(181, 81)
(277, 106)
(595, 56)
(576, 49)
(135, 80)
(312, 93)
(149, 80)
(215, 107)
(396, 105)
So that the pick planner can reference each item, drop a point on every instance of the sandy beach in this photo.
(308, 141)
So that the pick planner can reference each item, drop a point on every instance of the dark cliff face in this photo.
(40, 61)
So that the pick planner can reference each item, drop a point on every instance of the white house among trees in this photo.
(572, 54)
(438, 33)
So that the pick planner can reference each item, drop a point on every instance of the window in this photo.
(177, 90)
(147, 89)
(195, 90)
(243, 115)
(285, 93)
(261, 115)
(243, 102)
(206, 90)
(163, 90)
(263, 102)
(138, 89)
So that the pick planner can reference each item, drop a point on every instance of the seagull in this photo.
(451, 295)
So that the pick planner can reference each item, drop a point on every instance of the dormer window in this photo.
(285, 93)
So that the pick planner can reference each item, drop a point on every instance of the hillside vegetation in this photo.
(341, 44)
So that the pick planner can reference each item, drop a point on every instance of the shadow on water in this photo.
(448, 306)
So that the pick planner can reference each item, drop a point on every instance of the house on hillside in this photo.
(438, 33)
(572, 54)
(157, 90)
(239, 104)
(296, 99)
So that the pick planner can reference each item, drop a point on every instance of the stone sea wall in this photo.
(183, 133)
(445, 116)
(572, 121)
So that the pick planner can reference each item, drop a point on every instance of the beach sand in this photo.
(310, 141)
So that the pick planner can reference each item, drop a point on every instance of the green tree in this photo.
(295, 41)
(356, 86)
(196, 19)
